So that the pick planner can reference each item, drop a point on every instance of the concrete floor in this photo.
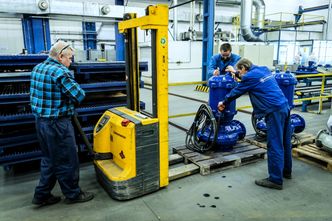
(226, 195)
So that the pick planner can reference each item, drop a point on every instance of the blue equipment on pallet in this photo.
(212, 128)
(310, 69)
(104, 84)
(286, 82)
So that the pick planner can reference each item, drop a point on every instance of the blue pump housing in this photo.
(220, 86)
(229, 130)
(286, 82)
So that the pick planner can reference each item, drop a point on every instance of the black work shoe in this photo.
(269, 184)
(49, 201)
(81, 198)
(287, 175)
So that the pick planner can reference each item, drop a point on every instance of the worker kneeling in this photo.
(268, 101)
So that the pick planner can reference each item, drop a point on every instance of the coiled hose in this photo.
(204, 120)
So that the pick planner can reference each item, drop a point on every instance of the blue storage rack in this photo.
(18, 141)
(15, 62)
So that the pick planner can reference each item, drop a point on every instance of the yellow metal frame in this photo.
(322, 89)
(187, 83)
(157, 19)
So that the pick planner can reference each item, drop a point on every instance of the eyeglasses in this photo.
(65, 47)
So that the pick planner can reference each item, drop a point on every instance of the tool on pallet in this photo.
(138, 143)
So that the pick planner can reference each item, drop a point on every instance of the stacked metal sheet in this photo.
(103, 82)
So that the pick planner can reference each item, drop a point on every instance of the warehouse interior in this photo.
(146, 64)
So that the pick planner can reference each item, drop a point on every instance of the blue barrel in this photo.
(219, 87)
(287, 82)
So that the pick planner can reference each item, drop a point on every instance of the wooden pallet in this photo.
(253, 139)
(303, 139)
(243, 153)
(179, 169)
(310, 153)
(297, 140)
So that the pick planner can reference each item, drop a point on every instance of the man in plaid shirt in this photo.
(54, 93)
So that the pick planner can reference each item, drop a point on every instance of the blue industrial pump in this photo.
(212, 128)
(286, 82)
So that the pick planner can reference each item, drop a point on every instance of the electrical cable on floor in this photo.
(204, 120)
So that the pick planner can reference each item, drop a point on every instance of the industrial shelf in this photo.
(103, 82)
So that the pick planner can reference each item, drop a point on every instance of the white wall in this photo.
(184, 65)
(11, 37)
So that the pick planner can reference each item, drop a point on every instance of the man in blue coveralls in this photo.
(267, 100)
(219, 62)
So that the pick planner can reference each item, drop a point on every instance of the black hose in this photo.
(83, 135)
(204, 120)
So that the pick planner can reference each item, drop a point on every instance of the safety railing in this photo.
(322, 94)
(281, 20)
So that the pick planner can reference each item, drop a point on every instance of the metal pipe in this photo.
(175, 20)
(192, 17)
(246, 11)
(329, 20)
(259, 13)
(175, 2)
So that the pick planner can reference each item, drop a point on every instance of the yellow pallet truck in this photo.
(138, 143)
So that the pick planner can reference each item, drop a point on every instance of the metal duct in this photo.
(246, 11)
(260, 12)
(175, 21)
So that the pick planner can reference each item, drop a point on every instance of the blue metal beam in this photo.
(208, 35)
(89, 35)
(119, 39)
(311, 9)
(36, 32)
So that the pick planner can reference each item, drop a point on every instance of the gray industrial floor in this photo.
(226, 195)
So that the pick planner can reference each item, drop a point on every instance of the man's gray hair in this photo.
(244, 63)
(58, 48)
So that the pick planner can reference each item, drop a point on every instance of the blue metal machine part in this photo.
(286, 82)
(103, 82)
(229, 130)
(36, 32)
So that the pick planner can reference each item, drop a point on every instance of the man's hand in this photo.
(230, 68)
(221, 106)
(216, 72)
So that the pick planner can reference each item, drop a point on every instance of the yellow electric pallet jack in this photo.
(137, 143)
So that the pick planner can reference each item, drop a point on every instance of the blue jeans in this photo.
(59, 160)
(279, 147)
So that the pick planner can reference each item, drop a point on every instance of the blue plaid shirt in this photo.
(53, 90)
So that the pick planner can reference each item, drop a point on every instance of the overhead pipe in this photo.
(328, 26)
(246, 12)
(260, 12)
(192, 15)
(175, 21)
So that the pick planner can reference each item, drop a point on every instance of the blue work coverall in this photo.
(216, 61)
(268, 100)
